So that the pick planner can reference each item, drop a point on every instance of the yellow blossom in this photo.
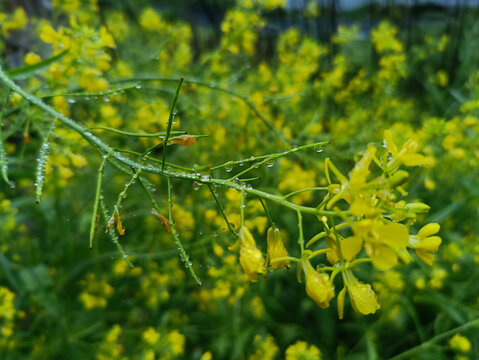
(276, 249)
(363, 298)
(32, 58)
(460, 343)
(150, 336)
(251, 259)
(383, 242)
(106, 38)
(318, 286)
(177, 342)
(302, 350)
(407, 155)
(424, 243)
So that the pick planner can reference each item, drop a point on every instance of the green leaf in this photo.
(28, 71)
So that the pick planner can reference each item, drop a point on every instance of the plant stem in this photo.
(106, 149)
(170, 121)
(230, 228)
(184, 257)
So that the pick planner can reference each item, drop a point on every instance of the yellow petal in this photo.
(414, 159)
(430, 244)
(388, 138)
(393, 234)
(333, 254)
(383, 258)
(276, 248)
(251, 261)
(363, 298)
(428, 230)
(318, 286)
(427, 257)
(251, 258)
(351, 246)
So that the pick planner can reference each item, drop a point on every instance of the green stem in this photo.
(106, 149)
(3, 155)
(93, 223)
(170, 121)
(267, 212)
(212, 86)
(324, 234)
(301, 236)
(183, 255)
(318, 252)
(113, 236)
(285, 258)
(174, 166)
(93, 94)
(122, 195)
(303, 190)
(218, 203)
(133, 134)
(42, 162)
(408, 354)
(242, 207)
(273, 157)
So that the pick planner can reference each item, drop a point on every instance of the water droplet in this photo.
(270, 163)
(71, 101)
(137, 86)
(318, 149)
(228, 167)
(106, 99)
(205, 177)
(196, 185)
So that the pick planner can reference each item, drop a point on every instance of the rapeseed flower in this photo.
(301, 350)
(424, 243)
(251, 258)
(318, 285)
(383, 242)
(276, 249)
(363, 298)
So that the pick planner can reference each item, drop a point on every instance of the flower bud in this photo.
(318, 286)
(251, 258)
(276, 249)
(399, 178)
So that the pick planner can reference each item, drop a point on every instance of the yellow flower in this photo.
(48, 34)
(177, 342)
(460, 343)
(300, 350)
(318, 286)
(383, 242)
(363, 298)
(150, 336)
(406, 156)
(424, 244)
(32, 58)
(251, 259)
(350, 247)
(106, 38)
(276, 249)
